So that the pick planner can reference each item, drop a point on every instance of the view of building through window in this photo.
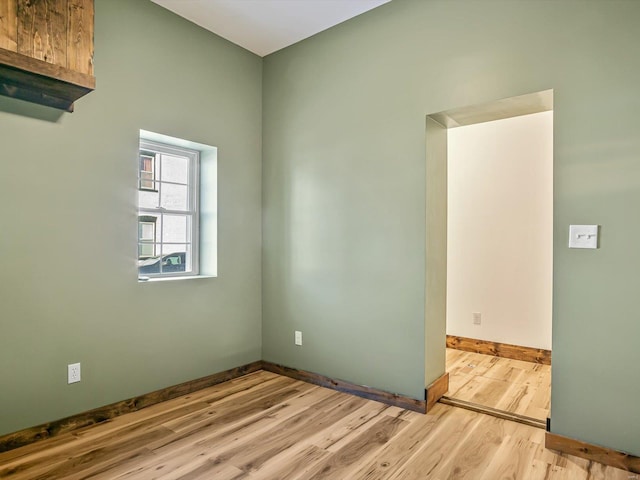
(167, 210)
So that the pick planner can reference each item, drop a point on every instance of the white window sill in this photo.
(170, 279)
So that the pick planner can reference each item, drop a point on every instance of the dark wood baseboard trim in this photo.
(51, 429)
(347, 387)
(505, 350)
(436, 390)
(595, 453)
(107, 412)
(494, 412)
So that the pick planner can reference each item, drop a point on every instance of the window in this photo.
(147, 171)
(168, 215)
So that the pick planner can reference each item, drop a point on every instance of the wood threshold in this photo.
(363, 391)
(436, 390)
(494, 412)
(496, 349)
(107, 412)
(595, 453)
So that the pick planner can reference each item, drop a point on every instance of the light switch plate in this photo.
(583, 236)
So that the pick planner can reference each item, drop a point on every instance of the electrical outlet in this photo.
(73, 373)
(298, 337)
(477, 318)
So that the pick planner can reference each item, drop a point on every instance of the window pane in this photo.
(175, 169)
(146, 181)
(147, 169)
(146, 250)
(174, 259)
(175, 197)
(148, 199)
(147, 231)
(149, 264)
(175, 229)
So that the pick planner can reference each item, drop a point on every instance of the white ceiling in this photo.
(265, 26)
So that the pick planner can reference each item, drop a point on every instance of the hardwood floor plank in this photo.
(206, 443)
(357, 452)
(455, 427)
(268, 427)
(394, 455)
(290, 464)
(515, 386)
(511, 460)
(251, 456)
(124, 449)
(334, 439)
(231, 410)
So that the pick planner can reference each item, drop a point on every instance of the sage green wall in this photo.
(68, 280)
(344, 189)
(435, 306)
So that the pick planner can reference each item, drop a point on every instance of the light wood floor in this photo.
(264, 426)
(511, 385)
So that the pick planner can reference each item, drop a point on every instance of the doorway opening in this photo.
(490, 215)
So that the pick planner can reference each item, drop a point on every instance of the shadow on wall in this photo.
(31, 110)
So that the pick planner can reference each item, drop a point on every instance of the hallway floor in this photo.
(514, 386)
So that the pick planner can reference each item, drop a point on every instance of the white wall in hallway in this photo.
(500, 228)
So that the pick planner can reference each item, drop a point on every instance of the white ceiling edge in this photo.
(266, 26)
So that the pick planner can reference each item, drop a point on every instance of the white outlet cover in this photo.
(73, 373)
(298, 337)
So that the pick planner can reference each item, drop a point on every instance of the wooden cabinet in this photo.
(46, 50)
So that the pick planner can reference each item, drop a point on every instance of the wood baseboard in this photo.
(607, 456)
(436, 390)
(370, 393)
(51, 429)
(505, 350)
(107, 412)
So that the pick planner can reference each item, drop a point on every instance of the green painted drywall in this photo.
(68, 280)
(435, 307)
(344, 189)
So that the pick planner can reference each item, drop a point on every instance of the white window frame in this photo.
(193, 211)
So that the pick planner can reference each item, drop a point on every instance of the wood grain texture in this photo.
(505, 350)
(347, 387)
(9, 25)
(514, 386)
(595, 453)
(80, 36)
(436, 390)
(54, 73)
(265, 426)
(108, 412)
(494, 412)
(42, 30)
